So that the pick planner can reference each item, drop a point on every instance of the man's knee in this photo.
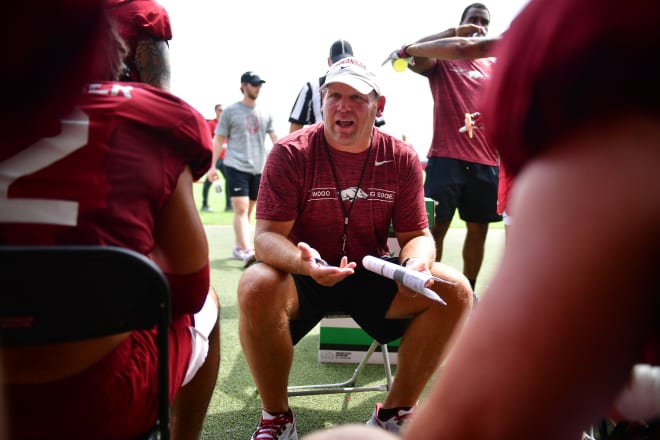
(458, 295)
(260, 289)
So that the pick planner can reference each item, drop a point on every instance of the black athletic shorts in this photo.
(365, 296)
(240, 183)
(469, 187)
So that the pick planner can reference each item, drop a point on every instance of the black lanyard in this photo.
(347, 211)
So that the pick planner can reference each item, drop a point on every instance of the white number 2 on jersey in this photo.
(43, 153)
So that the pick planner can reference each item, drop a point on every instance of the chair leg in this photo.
(348, 386)
(386, 365)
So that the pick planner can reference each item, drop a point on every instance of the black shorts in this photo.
(469, 187)
(365, 296)
(240, 183)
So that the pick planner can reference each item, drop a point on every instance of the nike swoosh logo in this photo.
(382, 162)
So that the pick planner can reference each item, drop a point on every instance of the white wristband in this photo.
(640, 399)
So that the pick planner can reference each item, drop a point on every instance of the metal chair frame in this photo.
(350, 385)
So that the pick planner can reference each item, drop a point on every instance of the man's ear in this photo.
(381, 106)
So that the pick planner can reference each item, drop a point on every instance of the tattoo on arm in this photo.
(153, 63)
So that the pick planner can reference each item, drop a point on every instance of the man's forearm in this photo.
(454, 48)
(451, 32)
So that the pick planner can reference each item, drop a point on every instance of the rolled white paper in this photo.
(412, 279)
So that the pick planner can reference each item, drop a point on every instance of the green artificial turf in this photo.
(235, 407)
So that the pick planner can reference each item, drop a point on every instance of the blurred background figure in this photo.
(220, 165)
(243, 126)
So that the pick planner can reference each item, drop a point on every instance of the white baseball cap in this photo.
(353, 73)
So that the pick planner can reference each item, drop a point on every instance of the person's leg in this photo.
(439, 230)
(473, 249)
(246, 220)
(238, 184)
(191, 402)
(205, 193)
(266, 299)
(444, 183)
(478, 208)
(424, 342)
(242, 222)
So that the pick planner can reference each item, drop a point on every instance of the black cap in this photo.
(340, 49)
(252, 78)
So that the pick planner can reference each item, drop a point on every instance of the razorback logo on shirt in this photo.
(349, 194)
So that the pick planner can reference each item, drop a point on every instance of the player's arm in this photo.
(423, 63)
(559, 266)
(448, 44)
(218, 145)
(295, 126)
(180, 248)
(453, 48)
(152, 60)
(417, 245)
(272, 246)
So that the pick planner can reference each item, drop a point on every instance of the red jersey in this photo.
(68, 36)
(503, 190)
(102, 180)
(212, 124)
(457, 87)
(298, 183)
(569, 75)
(138, 20)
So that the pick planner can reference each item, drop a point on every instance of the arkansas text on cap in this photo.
(353, 73)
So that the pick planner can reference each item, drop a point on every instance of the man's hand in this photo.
(212, 174)
(470, 30)
(418, 265)
(320, 271)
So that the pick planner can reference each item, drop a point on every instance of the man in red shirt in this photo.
(329, 193)
(462, 168)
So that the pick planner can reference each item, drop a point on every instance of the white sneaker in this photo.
(392, 424)
(248, 258)
(238, 253)
(276, 427)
